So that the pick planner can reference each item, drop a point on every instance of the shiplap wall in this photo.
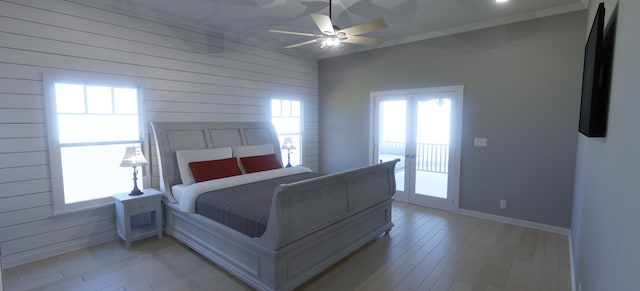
(187, 75)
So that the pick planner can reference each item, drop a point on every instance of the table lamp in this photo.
(133, 157)
(288, 145)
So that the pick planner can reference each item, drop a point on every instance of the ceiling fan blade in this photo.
(365, 27)
(323, 22)
(302, 43)
(293, 32)
(363, 40)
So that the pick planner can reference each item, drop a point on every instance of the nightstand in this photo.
(139, 216)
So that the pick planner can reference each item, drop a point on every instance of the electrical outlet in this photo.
(503, 204)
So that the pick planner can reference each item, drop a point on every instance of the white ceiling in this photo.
(408, 20)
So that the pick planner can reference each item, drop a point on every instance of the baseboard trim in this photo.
(574, 284)
(1, 279)
(57, 249)
(540, 226)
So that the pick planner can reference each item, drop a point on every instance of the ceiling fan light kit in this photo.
(334, 41)
(331, 42)
(334, 37)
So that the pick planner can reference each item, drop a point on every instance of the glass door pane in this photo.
(432, 147)
(421, 127)
(392, 124)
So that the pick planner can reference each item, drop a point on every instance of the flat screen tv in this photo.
(594, 105)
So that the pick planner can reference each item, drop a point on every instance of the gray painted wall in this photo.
(522, 92)
(605, 232)
(188, 75)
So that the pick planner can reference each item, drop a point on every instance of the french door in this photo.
(422, 128)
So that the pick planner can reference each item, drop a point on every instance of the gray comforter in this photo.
(244, 208)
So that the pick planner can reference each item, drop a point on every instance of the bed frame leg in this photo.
(386, 232)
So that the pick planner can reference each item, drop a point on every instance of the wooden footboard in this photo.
(301, 208)
(312, 225)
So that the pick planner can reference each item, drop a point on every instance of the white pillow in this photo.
(188, 156)
(253, 150)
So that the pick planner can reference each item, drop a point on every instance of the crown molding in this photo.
(469, 27)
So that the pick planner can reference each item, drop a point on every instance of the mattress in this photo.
(177, 191)
(244, 208)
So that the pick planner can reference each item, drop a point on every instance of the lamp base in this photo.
(288, 158)
(136, 192)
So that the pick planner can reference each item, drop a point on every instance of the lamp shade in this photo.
(288, 144)
(133, 157)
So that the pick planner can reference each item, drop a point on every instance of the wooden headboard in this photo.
(174, 136)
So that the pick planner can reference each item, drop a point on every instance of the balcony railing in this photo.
(430, 157)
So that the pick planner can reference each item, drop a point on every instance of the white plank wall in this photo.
(187, 75)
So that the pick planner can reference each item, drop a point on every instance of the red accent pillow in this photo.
(214, 169)
(260, 163)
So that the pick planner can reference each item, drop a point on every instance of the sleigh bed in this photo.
(311, 221)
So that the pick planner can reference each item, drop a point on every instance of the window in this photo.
(90, 124)
(286, 116)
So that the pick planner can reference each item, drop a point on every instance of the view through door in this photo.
(420, 127)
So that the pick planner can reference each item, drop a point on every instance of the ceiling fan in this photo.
(332, 36)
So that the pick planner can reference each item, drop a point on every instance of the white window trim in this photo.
(302, 116)
(57, 190)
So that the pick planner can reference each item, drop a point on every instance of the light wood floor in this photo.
(426, 250)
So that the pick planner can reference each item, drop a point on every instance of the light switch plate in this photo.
(480, 142)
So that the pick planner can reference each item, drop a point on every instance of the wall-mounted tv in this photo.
(594, 105)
